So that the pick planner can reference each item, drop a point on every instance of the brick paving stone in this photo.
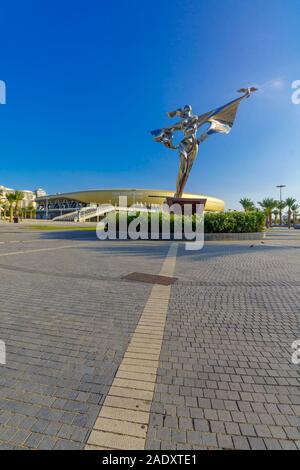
(152, 445)
(225, 441)
(241, 443)
(209, 440)
(256, 443)
(194, 437)
(47, 443)
(201, 425)
(217, 427)
(292, 432)
(185, 423)
(278, 432)
(272, 444)
(33, 441)
(64, 444)
(247, 429)
(179, 436)
(288, 445)
(262, 430)
(232, 429)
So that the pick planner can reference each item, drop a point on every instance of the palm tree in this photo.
(248, 204)
(30, 210)
(290, 202)
(11, 198)
(2, 204)
(275, 213)
(19, 196)
(295, 208)
(280, 205)
(268, 204)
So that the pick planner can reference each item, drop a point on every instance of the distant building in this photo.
(29, 196)
(40, 192)
(4, 189)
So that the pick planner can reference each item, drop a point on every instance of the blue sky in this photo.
(87, 80)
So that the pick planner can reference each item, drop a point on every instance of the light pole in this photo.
(280, 186)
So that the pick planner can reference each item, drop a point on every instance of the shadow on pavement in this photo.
(158, 247)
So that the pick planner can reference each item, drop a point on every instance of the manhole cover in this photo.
(150, 278)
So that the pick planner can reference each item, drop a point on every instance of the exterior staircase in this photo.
(87, 213)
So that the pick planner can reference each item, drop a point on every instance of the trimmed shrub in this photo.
(234, 222)
(214, 222)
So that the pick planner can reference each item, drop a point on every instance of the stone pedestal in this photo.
(186, 206)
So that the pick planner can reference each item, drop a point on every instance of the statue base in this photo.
(186, 206)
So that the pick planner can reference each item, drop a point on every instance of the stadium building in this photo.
(83, 205)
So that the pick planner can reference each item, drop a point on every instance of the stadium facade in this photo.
(56, 205)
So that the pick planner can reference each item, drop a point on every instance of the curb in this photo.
(234, 236)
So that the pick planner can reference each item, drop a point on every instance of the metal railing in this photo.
(87, 213)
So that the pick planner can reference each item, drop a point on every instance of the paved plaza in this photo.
(218, 372)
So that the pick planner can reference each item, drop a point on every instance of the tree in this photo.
(275, 213)
(290, 202)
(30, 210)
(2, 204)
(19, 196)
(280, 205)
(295, 209)
(247, 204)
(268, 204)
(11, 198)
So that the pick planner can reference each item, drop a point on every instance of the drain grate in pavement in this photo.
(150, 278)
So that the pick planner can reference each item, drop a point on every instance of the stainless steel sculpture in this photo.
(220, 119)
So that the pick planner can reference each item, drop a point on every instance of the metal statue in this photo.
(221, 121)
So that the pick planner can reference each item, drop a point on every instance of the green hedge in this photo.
(222, 222)
(234, 222)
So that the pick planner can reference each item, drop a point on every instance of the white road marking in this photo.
(37, 250)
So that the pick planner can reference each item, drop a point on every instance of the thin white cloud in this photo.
(276, 84)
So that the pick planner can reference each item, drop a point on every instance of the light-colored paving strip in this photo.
(37, 250)
(124, 416)
(34, 240)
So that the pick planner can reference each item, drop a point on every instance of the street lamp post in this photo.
(280, 186)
